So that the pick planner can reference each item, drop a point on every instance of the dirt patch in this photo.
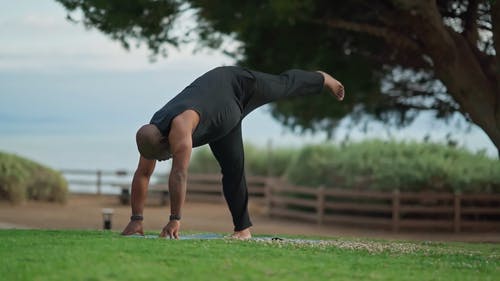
(85, 212)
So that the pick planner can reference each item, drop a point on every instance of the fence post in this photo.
(395, 210)
(270, 158)
(268, 188)
(457, 202)
(268, 195)
(98, 183)
(320, 208)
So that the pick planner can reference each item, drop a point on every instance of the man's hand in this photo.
(171, 229)
(133, 227)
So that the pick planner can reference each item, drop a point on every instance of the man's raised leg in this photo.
(291, 83)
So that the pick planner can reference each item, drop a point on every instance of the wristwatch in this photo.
(175, 217)
(136, 218)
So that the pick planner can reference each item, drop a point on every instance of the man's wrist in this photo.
(175, 217)
(136, 218)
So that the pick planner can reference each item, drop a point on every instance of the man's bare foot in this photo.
(335, 87)
(242, 234)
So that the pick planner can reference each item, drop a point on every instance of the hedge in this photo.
(258, 161)
(388, 165)
(371, 165)
(22, 179)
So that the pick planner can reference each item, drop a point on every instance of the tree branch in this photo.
(437, 107)
(414, 5)
(470, 24)
(394, 38)
(442, 106)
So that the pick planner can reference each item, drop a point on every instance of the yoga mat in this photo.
(210, 236)
(197, 236)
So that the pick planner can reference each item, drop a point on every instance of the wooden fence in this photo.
(391, 210)
(202, 187)
(97, 178)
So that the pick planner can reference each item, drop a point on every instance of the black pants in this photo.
(228, 150)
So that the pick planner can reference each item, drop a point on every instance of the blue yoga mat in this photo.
(197, 236)
(210, 236)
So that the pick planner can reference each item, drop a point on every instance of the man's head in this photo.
(152, 144)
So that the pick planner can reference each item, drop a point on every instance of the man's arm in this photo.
(180, 142)
(140, 184)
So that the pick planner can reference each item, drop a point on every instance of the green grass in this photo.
(97, 255)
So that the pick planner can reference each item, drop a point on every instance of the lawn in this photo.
(98, 255)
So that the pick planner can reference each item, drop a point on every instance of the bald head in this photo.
(151, 143)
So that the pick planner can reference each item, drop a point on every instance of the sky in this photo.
(73, 98)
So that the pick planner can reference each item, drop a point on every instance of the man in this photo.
(210, 111)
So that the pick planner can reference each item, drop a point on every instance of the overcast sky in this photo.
(55, 72)
(59, 79)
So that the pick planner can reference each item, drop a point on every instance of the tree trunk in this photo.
(458, 67)
(455, 57)
(495, 16)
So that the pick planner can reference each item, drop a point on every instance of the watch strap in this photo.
(175, 217)
(136, 218)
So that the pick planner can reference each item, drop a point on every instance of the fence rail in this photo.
(394, 210)
(97, 178)
(202, 187)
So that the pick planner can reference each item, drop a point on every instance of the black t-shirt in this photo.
(218, 96)
(224, 95)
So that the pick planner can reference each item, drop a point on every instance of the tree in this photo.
(395, 57)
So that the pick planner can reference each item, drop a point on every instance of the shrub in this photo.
(314, 166)
(387, 165)
(258, 161)
(371, 164)
(264, 162)
(203, 162)
(22, 179)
